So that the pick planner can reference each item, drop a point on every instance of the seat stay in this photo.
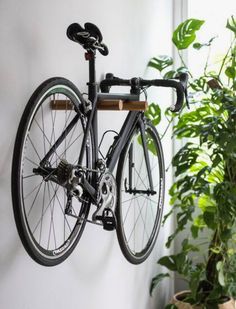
(60, 139)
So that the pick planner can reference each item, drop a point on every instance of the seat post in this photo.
(92, 96)
(92, 85)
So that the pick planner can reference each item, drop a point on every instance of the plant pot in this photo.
(177, 300)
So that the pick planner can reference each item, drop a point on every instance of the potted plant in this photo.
(203, 196)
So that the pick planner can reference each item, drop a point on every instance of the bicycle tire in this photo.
(139, 215)
(47, 233)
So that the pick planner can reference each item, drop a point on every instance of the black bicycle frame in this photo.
(125, 131)
(133, 119)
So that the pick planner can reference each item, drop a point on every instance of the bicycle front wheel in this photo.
(139, 208)
(48, 141)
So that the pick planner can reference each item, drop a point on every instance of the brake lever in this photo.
(186, 98)
(183, 78)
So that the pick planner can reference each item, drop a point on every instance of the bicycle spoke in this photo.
(34, 149)
(128, 210)
(43, 213)
(31, 161)
(135, 223)
(52, 227)
(60, 157)
(63, 212)
(46, 138)
(32, 191)
(42, 118)
(144, 179)
(68, 147)
(132, 198)
(29, 176)
(37, 193)
(41, 222)
(138, 172)
(144, 223)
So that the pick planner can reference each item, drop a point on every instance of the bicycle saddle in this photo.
(89, 37)
(94, 31)
(77, 34)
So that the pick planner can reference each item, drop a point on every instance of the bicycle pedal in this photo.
(108, 219)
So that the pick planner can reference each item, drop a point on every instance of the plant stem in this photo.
(170, 121)
(225, 57)
(183, 62)
(208, 57)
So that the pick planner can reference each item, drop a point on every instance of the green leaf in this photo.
(153, 113)
(182, 70)
(156, 280)
(185, 158)
(194, 231)
(187, 247)
(168, 262)
(226, 235)
(171, 306)
(230, 72)
(160, 62)
(199, 222)
(198, 166)
(231, 24)
(209, 218)
(185, 35)
(150, 143)
(195, 278)
(198, 45)
(220, 268)
(169, 74)
(216, 160)
(215, 250)
(177, 262)
(207, 203)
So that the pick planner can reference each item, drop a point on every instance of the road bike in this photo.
(58, 171)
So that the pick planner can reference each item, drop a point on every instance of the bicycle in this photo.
(57, 172)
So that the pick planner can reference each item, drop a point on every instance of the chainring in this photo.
(107, 194)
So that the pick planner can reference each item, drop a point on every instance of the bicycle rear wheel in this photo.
(139, 211)
(48, 233)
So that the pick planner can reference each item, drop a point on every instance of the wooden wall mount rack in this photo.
(104, 105)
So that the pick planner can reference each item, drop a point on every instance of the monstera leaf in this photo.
(153, 113)
(160, 62)
(185, 33)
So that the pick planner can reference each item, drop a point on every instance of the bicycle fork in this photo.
(131, 188)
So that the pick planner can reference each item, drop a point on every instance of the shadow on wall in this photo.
(10, 245)
(20, 46)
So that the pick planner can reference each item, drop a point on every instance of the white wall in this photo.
(34, 47)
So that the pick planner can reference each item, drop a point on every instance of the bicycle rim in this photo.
(47, 232)
(138, 213)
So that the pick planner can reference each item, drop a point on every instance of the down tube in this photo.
(125, 132)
